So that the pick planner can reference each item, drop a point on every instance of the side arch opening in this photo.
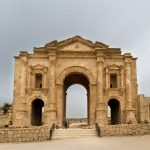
(114, 111)
(37, 112)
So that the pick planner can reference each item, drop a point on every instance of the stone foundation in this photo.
(125, 130)
(24, 134)
(35, 134)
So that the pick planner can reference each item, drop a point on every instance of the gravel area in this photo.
(94, 143)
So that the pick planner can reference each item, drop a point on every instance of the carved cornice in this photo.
(38, 67)
(100, 44)
(100, 51)
(23, 53)
(51, 44)
(40, 51)
(73, 40)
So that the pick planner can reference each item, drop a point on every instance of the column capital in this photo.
(52, 59)
(45, 70)
(100, 60)
(128, 61)
(24, 60)
(107, 71)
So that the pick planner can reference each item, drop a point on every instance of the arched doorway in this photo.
(72, 79)
(114, 106)
(76, 105)
(37, 112)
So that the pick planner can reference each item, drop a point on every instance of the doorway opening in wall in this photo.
(38, 81)
(37, 112)
(76, 101)
(113, 111)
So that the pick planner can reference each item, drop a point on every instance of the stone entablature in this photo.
(42, 78)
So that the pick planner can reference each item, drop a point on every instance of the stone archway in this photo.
(76, 75)
(80, 70)
(36, 112)
(72, 79)
(114, 105)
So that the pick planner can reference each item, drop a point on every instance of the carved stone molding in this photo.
(36, 91)
(114, 91)
(38, 68)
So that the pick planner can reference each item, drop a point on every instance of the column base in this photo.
(101, 117)
(19, 119)
(50, 117)
(130, 117)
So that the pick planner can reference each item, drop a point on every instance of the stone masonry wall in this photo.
(5, 118)
(24, 134)
(144, 108)
(35, 134)
(125, 130)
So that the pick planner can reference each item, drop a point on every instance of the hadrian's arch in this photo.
(77, 75)
(105, 72)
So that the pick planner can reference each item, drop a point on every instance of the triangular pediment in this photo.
(38, 67)
(76, 43)
(113, 67)
(76, 46)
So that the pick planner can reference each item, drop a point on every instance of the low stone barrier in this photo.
(125, 130)
(24, 134)
(35, 134)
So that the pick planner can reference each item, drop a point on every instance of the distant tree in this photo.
(6, 107)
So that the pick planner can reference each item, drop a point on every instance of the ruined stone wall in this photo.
(1, 117)
(143, 109)
(1, 111)
(2, 120)
(24, 134)
(125, 130)
(5, 118)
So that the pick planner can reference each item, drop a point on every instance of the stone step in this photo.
(73, 133)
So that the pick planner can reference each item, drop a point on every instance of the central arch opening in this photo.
(76, 105)
(76, 100)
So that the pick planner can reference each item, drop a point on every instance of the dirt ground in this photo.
(103, 143)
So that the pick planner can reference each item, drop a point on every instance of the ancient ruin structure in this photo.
(110, 78)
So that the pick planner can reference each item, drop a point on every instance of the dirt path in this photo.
(104, 143)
